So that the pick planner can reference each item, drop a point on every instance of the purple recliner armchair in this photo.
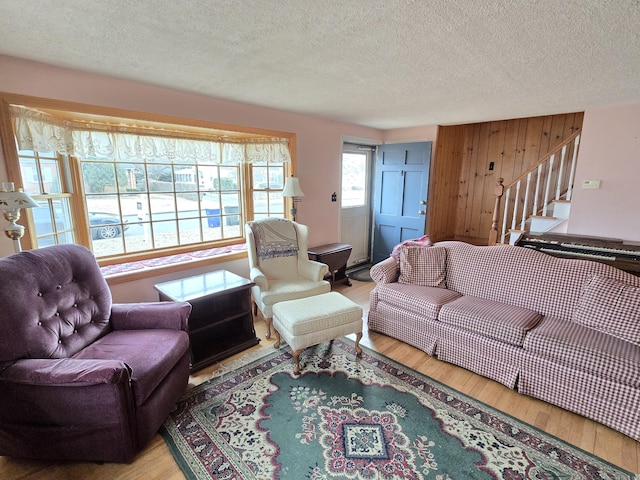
(82, 378)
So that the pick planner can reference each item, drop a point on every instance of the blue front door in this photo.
(402, 181)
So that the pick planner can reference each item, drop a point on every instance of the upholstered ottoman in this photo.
(312, 320)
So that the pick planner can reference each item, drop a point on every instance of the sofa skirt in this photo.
(409, 328)
(490, 358)
(613, 404)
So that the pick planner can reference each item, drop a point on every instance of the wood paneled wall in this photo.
(461, 190)
(444, 182)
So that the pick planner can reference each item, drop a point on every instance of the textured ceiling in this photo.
(380, 63)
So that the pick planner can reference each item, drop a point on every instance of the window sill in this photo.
(129, 271)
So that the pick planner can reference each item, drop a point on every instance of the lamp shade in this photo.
(292, 188)
(15, 200)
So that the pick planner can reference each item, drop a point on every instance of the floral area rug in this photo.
(348, 417)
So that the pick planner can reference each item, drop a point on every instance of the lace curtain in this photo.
(44, 133)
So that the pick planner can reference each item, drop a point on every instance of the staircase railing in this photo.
(532, 192)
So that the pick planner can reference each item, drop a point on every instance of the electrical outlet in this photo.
(334, 197)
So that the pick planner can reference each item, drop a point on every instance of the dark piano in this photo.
(618, 253)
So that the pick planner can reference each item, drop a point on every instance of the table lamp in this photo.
(292, 189)
(10, 203)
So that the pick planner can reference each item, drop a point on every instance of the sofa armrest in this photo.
(312, 270)
(66, 372)
(259, 278)
(142, 316)
(386, 271)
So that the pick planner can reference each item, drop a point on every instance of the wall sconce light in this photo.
(10, 203)
(292, 189)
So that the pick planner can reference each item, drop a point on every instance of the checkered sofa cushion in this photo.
(610, 306)
(585, 349)
(425, 301)
(423, 266)
(496, 320)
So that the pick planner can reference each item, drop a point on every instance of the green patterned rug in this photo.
(357, 418)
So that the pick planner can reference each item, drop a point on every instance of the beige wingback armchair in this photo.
(279, 264)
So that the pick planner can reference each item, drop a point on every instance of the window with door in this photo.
(146, 189)
(355, 210)
(354, 179)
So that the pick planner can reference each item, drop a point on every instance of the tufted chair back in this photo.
(53, 302)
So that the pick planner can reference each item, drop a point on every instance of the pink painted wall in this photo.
(427, 133)
(609, 152)
(319, 141)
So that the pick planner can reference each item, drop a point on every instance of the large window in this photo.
(133, 195)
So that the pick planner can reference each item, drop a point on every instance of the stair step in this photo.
(539, 223)
(561, 209)
(514, 235)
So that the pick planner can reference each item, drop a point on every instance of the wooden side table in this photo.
(335, 255)
(221, 322)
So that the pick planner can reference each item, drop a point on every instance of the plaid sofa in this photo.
(566, 331)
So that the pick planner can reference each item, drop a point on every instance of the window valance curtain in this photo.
(41, 132)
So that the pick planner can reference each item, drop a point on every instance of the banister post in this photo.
(493, 233)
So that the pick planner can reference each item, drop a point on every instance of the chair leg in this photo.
(296, 361)
(358, 347)
(268, 321)
(276, 345)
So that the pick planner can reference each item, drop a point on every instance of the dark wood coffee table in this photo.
(221, 322)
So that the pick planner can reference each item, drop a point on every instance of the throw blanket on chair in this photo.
(274, 237)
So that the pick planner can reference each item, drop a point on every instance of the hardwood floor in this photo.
(155, 461)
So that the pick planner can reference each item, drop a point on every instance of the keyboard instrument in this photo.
(621, 254)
